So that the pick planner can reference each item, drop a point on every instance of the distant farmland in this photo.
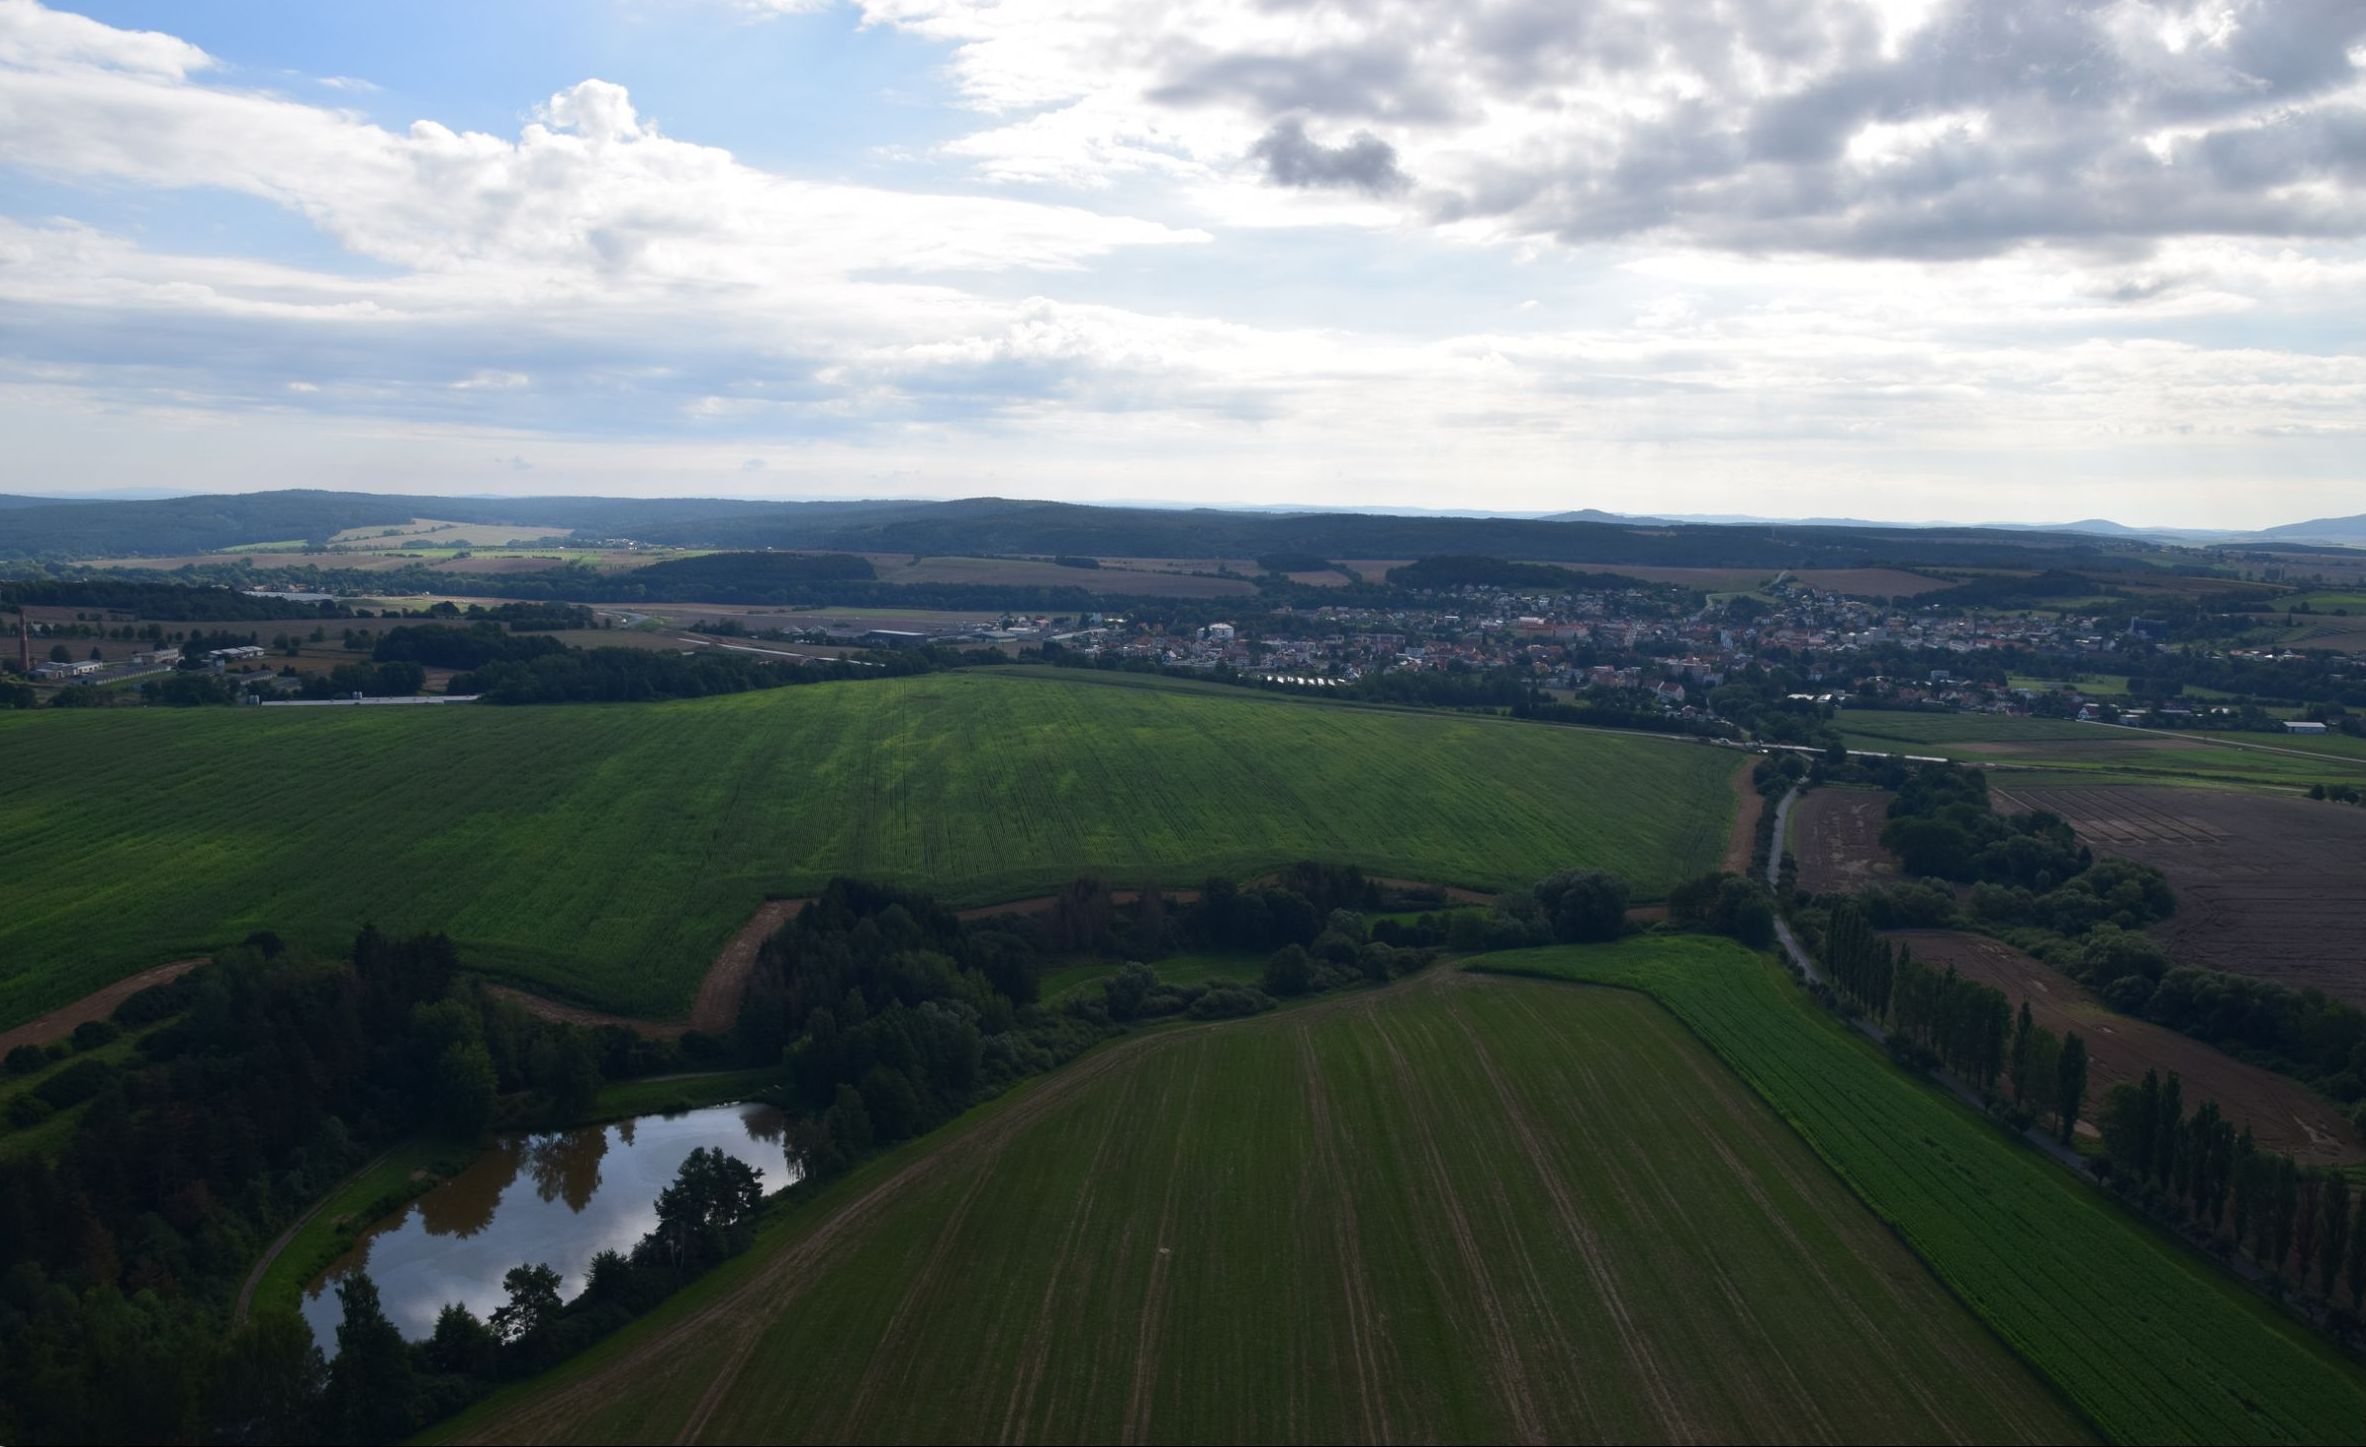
(1459, 1210)
(2265, 886)
(2151, 1341)
(606, 852)
(2072, 748)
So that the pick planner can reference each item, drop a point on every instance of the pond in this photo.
(558, 1199)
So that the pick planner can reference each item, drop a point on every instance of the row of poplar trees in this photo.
(1968, 1026)
(2298, 1223)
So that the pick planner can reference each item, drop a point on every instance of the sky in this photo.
(2031, 260)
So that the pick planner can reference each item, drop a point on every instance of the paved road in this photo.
(1774, 852)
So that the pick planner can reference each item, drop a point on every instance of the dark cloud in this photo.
(1375, 81)
(1293, 158)
(1996, 124)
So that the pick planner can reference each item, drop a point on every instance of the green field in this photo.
(1460, 1209)
(2152, 756)
(1960, 728)
(2154, 1343)
(606, 852)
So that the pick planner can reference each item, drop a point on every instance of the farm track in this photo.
(717, 1007)
(1741, 841)
(281, 1242)
(97, 1005)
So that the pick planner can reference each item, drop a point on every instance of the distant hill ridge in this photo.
(993, 525)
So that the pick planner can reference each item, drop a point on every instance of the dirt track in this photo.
(1748, 806)
(717, 1007)
(97, 1005)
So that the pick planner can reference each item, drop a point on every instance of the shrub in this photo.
(1226, 1002)
(1290, 971)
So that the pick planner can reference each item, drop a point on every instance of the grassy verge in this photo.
(667, 1094)
(362, 1199)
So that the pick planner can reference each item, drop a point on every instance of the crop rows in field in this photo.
(1456, 1210)
(607, 852)
(2153, 1344)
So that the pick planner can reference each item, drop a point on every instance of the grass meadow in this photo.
(2153, 1343)
(605, 852)
(1459, 1209)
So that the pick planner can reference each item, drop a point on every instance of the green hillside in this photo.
(606, 852)
(1458, 1210)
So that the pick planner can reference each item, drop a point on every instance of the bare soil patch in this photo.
(566, 1014)
(97, 1005)
(2265, 886)
(1837, 839)
(1749, 804)
(2285, 1115)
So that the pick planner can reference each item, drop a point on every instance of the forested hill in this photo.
(1002, 526)
(991, 526)
(39, 526)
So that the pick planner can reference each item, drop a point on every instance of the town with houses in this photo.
(1634, 644)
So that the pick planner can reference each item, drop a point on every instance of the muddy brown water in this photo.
(558, 1199)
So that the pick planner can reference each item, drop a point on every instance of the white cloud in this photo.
(641, 310)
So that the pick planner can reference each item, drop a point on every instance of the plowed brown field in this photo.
(1836, 836)
(2265, 886)
(2285, 1115)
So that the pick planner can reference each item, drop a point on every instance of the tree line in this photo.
(641, 675)
(249, 1087)
(2299, 1225)
(1940, 1017)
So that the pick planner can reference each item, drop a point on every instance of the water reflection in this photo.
(593, 1190)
